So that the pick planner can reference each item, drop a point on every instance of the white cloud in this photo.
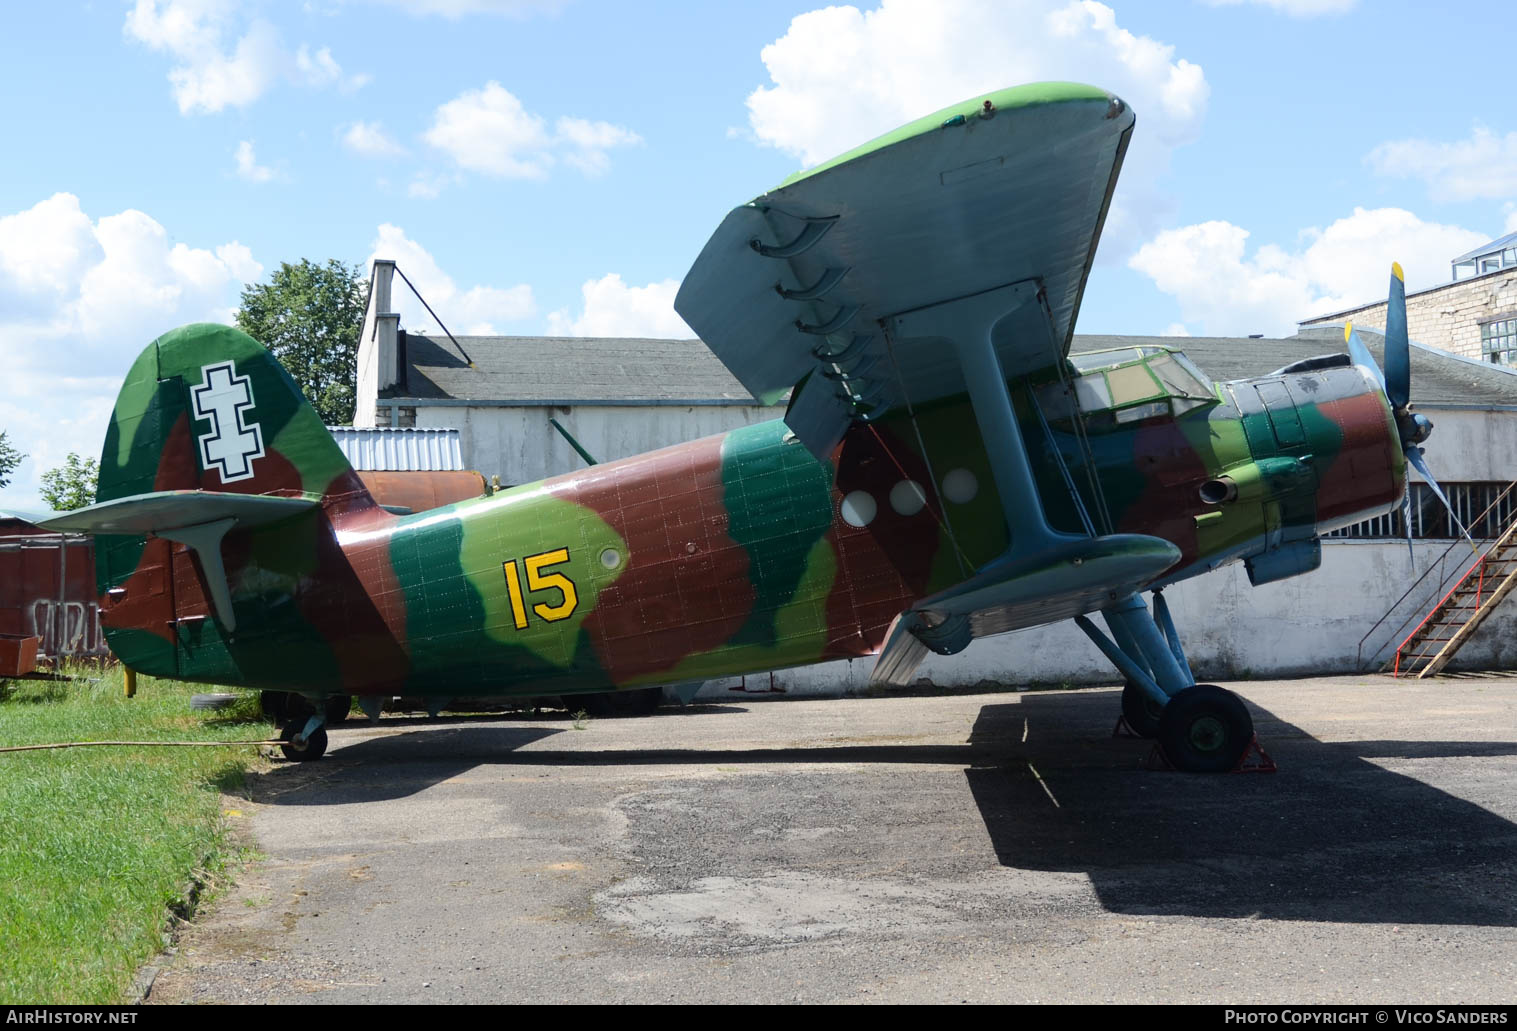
(1295, 8)
(490, 131)
(1175, 329)
(1484, 166)
(614, 309)
(370, 140)
(585, 143)
(81, 294)
(1205, 268)
(1510, 210)
(321, 69)
(209, 75)
(248, 167)
(478, 310)
(840, 76)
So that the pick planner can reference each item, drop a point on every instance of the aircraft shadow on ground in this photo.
(1332, 836)
(1329, 837)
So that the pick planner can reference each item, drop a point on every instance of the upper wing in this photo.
(795, 289)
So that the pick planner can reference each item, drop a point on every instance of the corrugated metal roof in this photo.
(395, 449)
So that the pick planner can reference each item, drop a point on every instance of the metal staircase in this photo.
(1459, 613)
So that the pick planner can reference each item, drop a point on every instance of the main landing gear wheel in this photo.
(1205, 729)
(314, 747)
(1140, 711)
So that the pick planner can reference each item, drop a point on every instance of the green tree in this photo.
(9, 459)
(72, 484)
(310, 316)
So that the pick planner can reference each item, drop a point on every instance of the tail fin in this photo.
(206, 407)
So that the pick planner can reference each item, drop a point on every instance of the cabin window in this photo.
(1131, 384)
(1092, 393)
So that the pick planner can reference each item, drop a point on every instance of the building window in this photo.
(1485, 509)
(1498, 341)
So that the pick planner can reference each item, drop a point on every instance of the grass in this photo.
(99, 847)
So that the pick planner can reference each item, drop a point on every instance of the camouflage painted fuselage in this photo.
(726, 555)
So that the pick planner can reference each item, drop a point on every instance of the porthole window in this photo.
(610, 558)
(907, 497)
(858, 508)
(960, 486)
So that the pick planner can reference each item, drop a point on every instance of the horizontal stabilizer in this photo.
(198, 519)
(173, 510)
(1011, 593)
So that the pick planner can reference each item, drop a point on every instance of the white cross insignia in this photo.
(224, 397)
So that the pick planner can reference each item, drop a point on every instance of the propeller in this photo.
(1396, 382)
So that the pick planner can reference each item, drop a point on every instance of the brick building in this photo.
(1475, 316)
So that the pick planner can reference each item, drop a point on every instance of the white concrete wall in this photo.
(1471, 446)
(518, 445)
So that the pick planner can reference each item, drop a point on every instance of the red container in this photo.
(18, 655)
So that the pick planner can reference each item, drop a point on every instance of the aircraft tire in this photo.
(1141, 713)
(315, 746)
(1205, 729)
(614, 704)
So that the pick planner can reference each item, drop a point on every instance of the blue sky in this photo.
(555, 166)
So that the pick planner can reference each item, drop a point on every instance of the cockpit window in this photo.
(1131, 384)
(1180, 377)
(1128, 385)
(1093, 360)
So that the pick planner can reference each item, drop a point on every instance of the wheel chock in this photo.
(1124, 729)
(1255, 759)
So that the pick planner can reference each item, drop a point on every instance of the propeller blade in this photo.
(1398, 359)
(1415, 456)
(1361, 354)
(1406, 521)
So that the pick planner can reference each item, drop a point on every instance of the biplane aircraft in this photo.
(944, 470)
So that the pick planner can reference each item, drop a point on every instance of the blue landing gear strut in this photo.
(1201, 728)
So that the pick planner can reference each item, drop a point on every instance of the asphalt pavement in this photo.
(998, 847)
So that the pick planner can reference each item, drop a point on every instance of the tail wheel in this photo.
(314, 747)
(1140, 711)
(611, 704)
(1205, 729)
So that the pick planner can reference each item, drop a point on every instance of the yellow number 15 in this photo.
(537, 580)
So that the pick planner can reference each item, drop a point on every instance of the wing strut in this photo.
(972, 324)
